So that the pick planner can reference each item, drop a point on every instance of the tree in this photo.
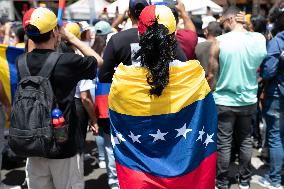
(69, 2)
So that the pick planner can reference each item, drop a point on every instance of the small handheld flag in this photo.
(61, 8)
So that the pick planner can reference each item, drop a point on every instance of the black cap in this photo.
(136, 7)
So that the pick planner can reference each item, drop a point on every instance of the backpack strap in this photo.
(23, 66)
(49, 65)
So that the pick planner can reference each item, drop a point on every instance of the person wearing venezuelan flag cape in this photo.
(163, 115)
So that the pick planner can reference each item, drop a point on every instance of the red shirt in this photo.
(188, 41)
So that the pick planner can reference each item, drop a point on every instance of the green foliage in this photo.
(69, 2)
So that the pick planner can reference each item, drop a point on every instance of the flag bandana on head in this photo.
(162, 14)
(166, 142)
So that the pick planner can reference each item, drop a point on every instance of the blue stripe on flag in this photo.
(102, 88)
(174, 156)
(12, 53)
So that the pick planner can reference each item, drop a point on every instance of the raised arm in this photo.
(6, 39)
(118, 20)
(188, 24)
(87, 51)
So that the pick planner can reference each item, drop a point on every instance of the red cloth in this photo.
(146, 20)
(203, 177)
(188, 41)
(101, 106)
(27, 17)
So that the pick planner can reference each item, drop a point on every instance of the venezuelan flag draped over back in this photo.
(8, 70)
(166, 142)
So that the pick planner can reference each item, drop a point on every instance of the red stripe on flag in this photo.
(101, 106)
(203, 177)
(61, 4)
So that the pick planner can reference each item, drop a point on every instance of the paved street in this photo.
(96, 178)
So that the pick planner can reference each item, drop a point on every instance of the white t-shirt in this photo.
(84, 85)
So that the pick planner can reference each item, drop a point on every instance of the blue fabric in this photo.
(100, 145)
(110, 161)
(273, 65)
(274, 117)
(166, 158)
(11, 54)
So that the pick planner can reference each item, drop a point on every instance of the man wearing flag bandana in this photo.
(163, 116)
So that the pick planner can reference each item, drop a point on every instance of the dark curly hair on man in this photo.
(157, 52)
(277, 17)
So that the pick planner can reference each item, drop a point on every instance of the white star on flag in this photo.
(158, 136)
(114, 140)
(201, 133)
(120, 137)
(134, 138)
(183, 131)
(208, 139)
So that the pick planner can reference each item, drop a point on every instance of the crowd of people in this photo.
(242, 61)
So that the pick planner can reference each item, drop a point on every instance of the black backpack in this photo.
(31, 132)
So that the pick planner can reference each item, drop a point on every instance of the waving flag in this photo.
(166, 142)
(8, 70)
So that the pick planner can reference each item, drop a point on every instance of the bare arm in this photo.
(87, 51)
(87, 102)
(118, 20)
(7, 33)
(213, 64)
(241, 18)
(188, 24)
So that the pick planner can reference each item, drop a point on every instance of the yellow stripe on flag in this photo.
(129, 92)
(4, 72)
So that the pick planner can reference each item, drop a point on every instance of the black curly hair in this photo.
(277, 17)
(157, 52)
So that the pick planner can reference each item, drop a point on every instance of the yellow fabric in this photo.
(165, 16)
(4, 72)
(20, 45)
(74, 28)
(248, 17)
(44, 19)
(129, 92)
